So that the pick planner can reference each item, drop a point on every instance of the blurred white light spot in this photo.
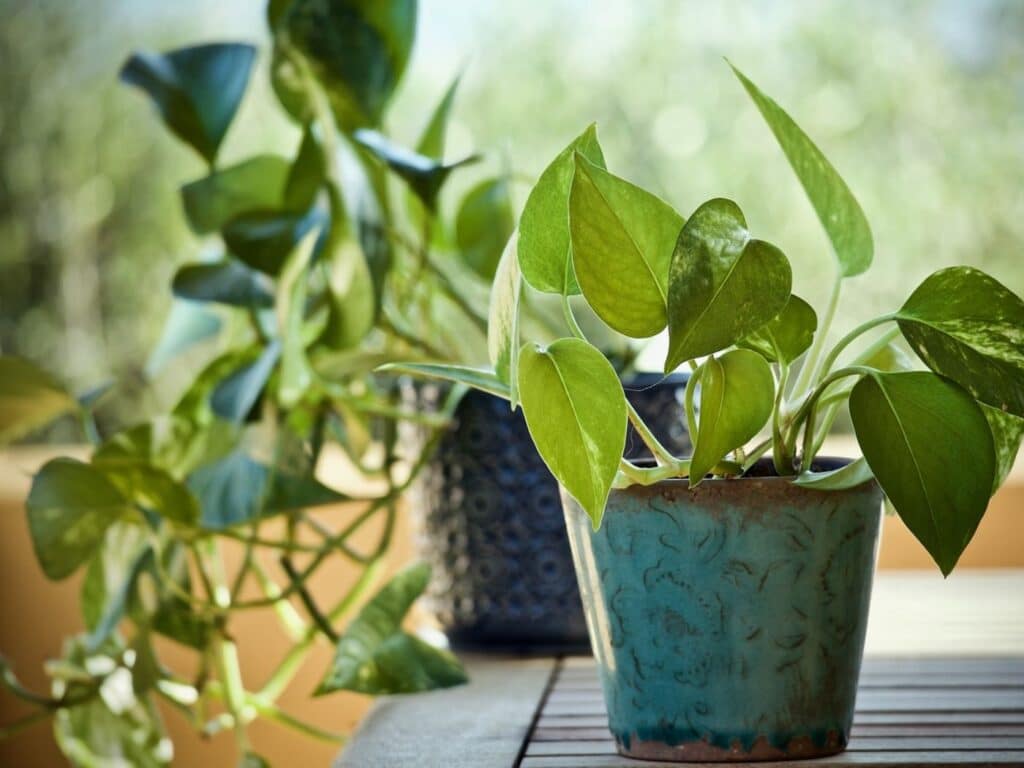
(679, 130)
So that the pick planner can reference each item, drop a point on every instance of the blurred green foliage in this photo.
(920, 105)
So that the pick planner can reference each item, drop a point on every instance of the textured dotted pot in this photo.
(491, 523)
(728, 621)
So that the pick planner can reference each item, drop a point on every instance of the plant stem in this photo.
(570, 319)
(278, 715)
(26, 722)
(810, 403)
(757, 452)
(286, 670)
(848, 338)
(809, 370)
(289, 618)
(781, 458)
(691, 413)
(307, 600)
(661, 453)
(650, 475)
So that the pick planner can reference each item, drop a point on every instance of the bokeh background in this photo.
(920, 105)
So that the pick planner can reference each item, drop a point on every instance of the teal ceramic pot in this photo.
(728, 621)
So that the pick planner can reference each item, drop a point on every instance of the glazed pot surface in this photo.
(728, 621)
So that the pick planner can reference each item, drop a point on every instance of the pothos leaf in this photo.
(575, 410)
(70, 507)
(544, 241)
(786, 337)
(431, 143)
(358, 50)
(503, 319)
(478, 378)
(722, 283)
(855, 473)
(969, 327)
(196, 89)
(296, 375)
(424, 175)
(352, 297)
(483, 224)
(254, 184)
(621, 239)
(376, 656)
(29, 398)
(915, 429)
(225, 282)
(1007, 433)
(736, 396)
(838, 210)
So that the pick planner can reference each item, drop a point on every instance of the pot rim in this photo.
(718, 485)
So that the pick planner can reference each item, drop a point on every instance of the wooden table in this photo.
(917, 704)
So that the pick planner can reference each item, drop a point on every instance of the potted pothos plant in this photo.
(727, 591)
(329, 261)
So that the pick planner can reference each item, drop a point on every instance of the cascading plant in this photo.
(330, 262)
(939, 441)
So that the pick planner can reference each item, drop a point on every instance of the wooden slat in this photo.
(929, 759)
(572, 747)
(869, 682)
(928, 712)
(479, 725)
(859, 728)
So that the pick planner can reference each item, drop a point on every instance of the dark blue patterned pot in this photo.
(728, 621)
(491, 523)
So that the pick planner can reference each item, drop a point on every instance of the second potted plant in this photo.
(726, 591)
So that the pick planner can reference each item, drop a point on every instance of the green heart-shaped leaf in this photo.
(353, 304)
(255, 184)
(503, 319)
(187, 324)
(424, 175)
(483, 225)
(70, 507)
(358, 50)
(237, 489)
(264, 239)
(296, 375)
(622, 238)
(970, 327)
(929, 445)
(838, 210)
(786, 337)
(722, 284)
(1007, 433)
(30, 398)
(197, 89)
(235, 395)
(225, 282)
(737, 391)
(307, 174)
(477, 378)
(375, 656)
(544, 225)
(853, 474)
(576, 413)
